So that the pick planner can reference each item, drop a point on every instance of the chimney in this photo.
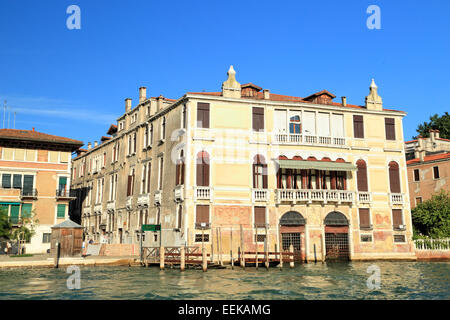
(33, 128)
(431, 131)
(95, 143)
(344, 101)
(127, 104)
(373, 100)
(266, 93)
(160, 100)
(422, 155)
(89, 146)
(436, 134)
(142, 94)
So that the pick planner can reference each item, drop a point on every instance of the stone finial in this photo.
(373, 100)
(231, 88)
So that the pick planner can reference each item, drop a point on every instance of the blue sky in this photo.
(73, 82)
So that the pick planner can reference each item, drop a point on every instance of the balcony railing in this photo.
(202, 193)
(65, 193)
(129, 203)
(396, 198)
(158, 197)
(299, 195)
(202, 225)
(111, 205)
(364, 197)
(179, 193)
(260, 195)
(301, 139)
(28, 193)
(143, 200)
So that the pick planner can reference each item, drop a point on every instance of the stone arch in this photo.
(292, 218)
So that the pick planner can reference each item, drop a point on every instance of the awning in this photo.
(8, 203)
(318, 165)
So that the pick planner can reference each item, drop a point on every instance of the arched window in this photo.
(259, 172)
(203, 169)
(361, 175)
(179, 176)
(394, 177)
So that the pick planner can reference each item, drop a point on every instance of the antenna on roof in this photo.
(4, 114)
(9, 115)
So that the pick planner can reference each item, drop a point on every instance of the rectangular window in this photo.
(418, 200)
(202, 115)
(6, 180)
(364, 218)
(160, 175)
(15, 211)
(258, 119)
(198, 238)
(28, 183)
(366, 238)
(202, 214)
(180, 216)
(46, 237)
(436, 172)
(399, 238)
(260, 216)
(61, 212)
(183, 119)
(26, 210)
(416, 175)
(260, 237)
(397, 218)
(17, 181)
(358, 126)
(389, 124)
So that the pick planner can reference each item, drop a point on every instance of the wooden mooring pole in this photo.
(231, 248)
(256, 255)
(291, 256)
(161, 257)
(204, 261)
(182, 258)
(242, 249)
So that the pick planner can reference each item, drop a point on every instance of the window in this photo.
(61, 212)
(179, 170)
(149, 172)
(17, 181)
(259, 172)
(364, 218)
(394, 177)
(418, 200)
(399, 238)
(14, 214)
(294, 124)
(62, 183)
(134, 142)
(130, 183)
(143, 179)
(203, 169)
(397, 218)
(160, 175)
(258, 119)
(260, 237)
(366, 238)
(26, 210)
(389, 124)
(436, 172)
(163, 128)
(183, 117)
(6, 180)
(179, 216)
(361, 175)
(202, 115)
(202, 215)
(145, 137)
(260, 216)
(198, 238)
(46, 237)
(150, 140)
(416, 175)
(358, 126)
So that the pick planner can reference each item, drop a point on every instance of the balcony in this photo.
(202, 225)
(129, 203)
(323, 196)
(364, 197)
(260, 195)
(111, 206)
(301, 139)
(202, 193)
(28, 194)
(98, 208)
(158, 197)
(179, 193)
(143, 200)
(66, 194)
(396, 198)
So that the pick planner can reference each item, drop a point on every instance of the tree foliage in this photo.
(431, 218)
(441, 123)
(5, 226)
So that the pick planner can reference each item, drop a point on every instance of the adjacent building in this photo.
(428, 162)
(35, 180)
(245, 168)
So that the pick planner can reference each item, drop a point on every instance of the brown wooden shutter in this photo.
(149, 172)
(254, 175)
(203, 115)
(258, 119)
(260, 216)
(206, 174)
(364, 218)
(177, 173)
(394, 178)
(389, 124)
(333, 180)
(264, 176)
(397, 217)
(180, 216)
(279, 178)
(202, 214)
(129, 186)
(361, 176)
(182, 172)
(358, 126)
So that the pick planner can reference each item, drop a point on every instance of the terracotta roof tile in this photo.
(430, 158)
(31, 135)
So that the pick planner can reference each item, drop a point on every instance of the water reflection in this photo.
(399, 280)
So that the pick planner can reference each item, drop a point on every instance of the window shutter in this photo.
(177, 173)
(361, 176)
(6, 180)
(61, 211)
(180, 216)
(203, 115)
(129, 186)
(28, 183)
(258, 119)
(364, 218)
(149, 172)
(397, 217)
(394, 179)
(26, 210)
(265, 176)
(17, 181)
(182, 172)
(206, 174)
(260, 216)
(254, 175)
(389, 124)
(333, 180)
(358, 126)
(202, 214)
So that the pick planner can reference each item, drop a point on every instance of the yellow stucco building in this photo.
(244, 167)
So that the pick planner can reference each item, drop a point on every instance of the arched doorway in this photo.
(336, 236)
(292, 230)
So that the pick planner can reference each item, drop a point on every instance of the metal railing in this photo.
(432, 244)
(28, 193)
(63, 193)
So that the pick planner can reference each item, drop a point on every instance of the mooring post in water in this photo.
(242, 248)
(256, 255)
(161, 257)
(315, 254)
(57, 252)
(212, 245)
(182, 258)
(204, 261)
(266, 251)
(291, 256)
(281, 258)
(231, 247)
(220, 246)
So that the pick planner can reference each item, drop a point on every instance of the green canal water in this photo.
(398, 280)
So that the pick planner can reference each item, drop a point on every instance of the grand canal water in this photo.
(399, 280)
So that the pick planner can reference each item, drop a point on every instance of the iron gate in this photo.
(336, 245)
(292, 238)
